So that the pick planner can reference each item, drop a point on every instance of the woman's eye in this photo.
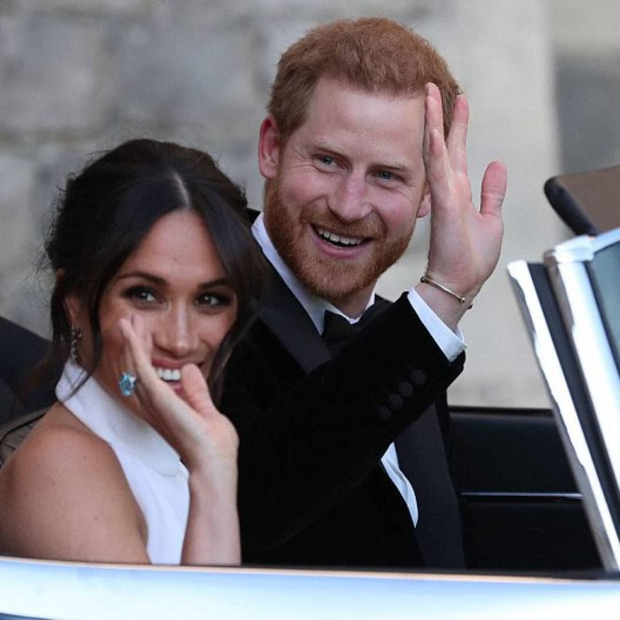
(141, 294)
(212, 300)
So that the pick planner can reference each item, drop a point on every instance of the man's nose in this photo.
(175, 333)
(350, 202)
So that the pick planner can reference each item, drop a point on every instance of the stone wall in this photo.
(587, 70)
(82, 75)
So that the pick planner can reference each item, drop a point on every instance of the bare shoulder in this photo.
(63, 494)
(59, 449)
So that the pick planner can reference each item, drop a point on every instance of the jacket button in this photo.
(395, 402)
(405, 389)
(418, 377)
(383, 413)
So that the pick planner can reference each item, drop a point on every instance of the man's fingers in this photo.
(494, 185)
(437, 170)
(433, 112)
(436, 158)
(457, 138)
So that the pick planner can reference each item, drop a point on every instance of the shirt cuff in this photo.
(451, 344)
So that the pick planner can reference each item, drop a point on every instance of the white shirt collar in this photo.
(115, 424)
(315, 306)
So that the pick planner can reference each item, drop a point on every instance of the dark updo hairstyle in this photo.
(106, 211)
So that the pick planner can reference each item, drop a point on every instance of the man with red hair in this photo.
(365, 133)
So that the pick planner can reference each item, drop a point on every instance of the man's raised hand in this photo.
(465, 242)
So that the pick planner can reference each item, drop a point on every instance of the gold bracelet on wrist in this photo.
(426, 279)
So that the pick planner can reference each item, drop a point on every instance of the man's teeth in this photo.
(339, 239)
(169, 374)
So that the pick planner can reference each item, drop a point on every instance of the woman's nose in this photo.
(175, 334)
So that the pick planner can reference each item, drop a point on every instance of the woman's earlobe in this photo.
(73, 309)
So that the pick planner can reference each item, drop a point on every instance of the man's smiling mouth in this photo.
(338, 240)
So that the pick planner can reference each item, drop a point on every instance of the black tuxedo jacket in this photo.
(312, 490)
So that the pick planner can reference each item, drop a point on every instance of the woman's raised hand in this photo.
(206, 441)
(192, 425)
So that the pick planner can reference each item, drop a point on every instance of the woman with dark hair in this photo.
(155, 269)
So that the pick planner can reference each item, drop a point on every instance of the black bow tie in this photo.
(337, 331)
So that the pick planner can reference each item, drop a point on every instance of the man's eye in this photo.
(384, 175)
(326, 159)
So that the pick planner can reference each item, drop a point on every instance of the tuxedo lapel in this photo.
(291, 325)
(422, 458)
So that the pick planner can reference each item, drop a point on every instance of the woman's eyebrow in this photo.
(224, 281)
(144, 275)
(219, 282)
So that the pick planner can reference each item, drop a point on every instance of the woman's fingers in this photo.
(196, 390)
(140, 343)
(191, 424)
(223, 438)
(153, 392)
(138, 359)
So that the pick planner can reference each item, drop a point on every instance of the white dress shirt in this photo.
(450, 343)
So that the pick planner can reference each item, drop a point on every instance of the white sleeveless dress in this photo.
(154, 472)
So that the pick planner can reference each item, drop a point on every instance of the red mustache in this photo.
(360, 230)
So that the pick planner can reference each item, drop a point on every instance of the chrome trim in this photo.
(581, 315)
(571, 432)
(582, 248)
(578, 249)
(572, 497)
(104, 592)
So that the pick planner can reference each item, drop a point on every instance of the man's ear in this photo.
(269, 148)
(425, 204)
